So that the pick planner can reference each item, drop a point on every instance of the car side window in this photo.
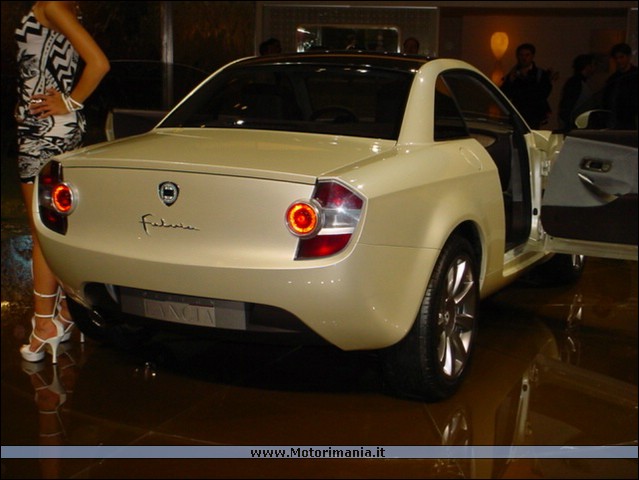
(448, 122)
(479, 106)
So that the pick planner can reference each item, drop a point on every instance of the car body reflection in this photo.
(229, 394)
(561, 369)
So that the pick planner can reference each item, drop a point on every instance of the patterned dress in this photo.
(46, 59)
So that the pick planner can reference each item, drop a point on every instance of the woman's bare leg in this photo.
(43, 280)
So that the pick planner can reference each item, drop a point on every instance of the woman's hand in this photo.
(48, 104)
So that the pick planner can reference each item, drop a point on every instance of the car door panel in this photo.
(591, 193)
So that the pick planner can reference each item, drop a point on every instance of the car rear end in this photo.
(223, 210)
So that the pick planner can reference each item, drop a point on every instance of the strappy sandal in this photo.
(52, 343)
(67, 323)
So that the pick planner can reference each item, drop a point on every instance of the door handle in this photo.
(592, 187)
(596, 165)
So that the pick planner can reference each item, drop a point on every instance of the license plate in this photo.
(204, 312)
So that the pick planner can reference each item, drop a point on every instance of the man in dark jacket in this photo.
(576, 95)
(528, 87)
(620, 91)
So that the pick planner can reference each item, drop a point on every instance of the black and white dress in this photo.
(46, 59)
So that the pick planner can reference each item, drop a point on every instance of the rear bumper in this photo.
(366, 299)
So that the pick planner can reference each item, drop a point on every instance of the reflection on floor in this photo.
(554, 366)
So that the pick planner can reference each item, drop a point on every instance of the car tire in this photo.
(562, 269)
(431, 360)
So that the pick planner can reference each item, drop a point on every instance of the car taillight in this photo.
(303, 218)
(62, 198)
(326, 223)
(56, 199)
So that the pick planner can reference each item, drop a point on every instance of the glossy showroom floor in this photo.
(554, 366)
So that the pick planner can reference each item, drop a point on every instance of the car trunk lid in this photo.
(295, 157)
(232, 191)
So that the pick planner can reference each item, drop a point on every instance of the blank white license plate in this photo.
(204, 312)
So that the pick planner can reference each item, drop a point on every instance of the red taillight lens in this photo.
(56, 199)
(322, 245)
(62, 198)
(326, 223)
(336, 196)
(303, 219)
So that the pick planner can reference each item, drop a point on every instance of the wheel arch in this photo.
(470, 231)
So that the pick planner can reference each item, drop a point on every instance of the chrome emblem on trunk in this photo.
(168, 192)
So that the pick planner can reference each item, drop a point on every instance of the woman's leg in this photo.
(43, 281)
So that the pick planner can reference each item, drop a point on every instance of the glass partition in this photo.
(345, 37)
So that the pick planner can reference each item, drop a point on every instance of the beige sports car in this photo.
(365, 200)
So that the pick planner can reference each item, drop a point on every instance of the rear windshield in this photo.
(328, 99)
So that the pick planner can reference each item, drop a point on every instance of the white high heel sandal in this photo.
(67, 323)
(53, 342)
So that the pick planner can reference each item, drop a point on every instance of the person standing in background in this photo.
(270, 46)
(411, 46)
(51, 41)
(528, 87)
(620, 91)
(576, 95)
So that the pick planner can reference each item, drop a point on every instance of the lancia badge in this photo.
(169, 192)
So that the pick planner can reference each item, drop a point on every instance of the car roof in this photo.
(395, 61)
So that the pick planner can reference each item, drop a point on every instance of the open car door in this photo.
(589, 206)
